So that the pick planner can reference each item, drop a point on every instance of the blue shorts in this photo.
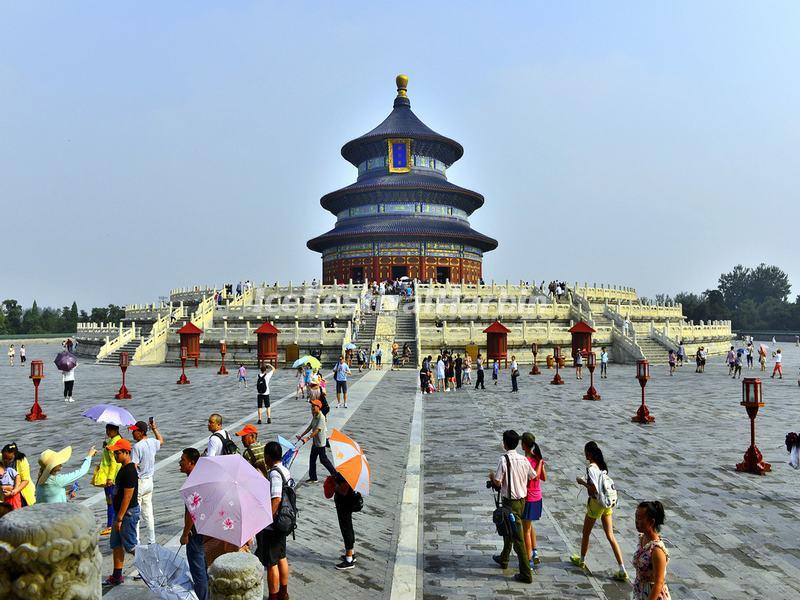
(533, 511)
(126, 536)
(242, 378)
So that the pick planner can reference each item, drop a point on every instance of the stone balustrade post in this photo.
(236, 576)
(49, 552)
(549, 330)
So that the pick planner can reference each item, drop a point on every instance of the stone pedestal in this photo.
(236, 576)
(49, 552)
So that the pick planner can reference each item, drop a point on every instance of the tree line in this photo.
(15, 319)
(752, 298)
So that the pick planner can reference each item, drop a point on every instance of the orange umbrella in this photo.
(349, 460)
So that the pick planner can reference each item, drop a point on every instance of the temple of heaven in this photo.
(402, 218)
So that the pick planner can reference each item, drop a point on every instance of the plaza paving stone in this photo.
(730, 535)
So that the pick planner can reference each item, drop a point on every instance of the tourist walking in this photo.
(68, 377)
(126, 510)
(651, 556)
(424, 378)
(271, 549)
(514, 374)
(340, 373)
(495, 370)
(511, 478)
(11, 354)
(450, 374)
(318, 432)
(533, 501)
(106, 473)
(762, 357)
(143, 457)
(300, 390)
(253, 450)
(242, 376)
(737, 365)
(730, 359)
(459, 367)
(681, 354)
(219, 442)
(467, 369)
(22, 356)
(195, 554)
(51, 482)
(778, 368)
(378, 358)
(14, 459)
(750, 355)
(578, 364)
(603, 363)
(671, 360)
(595, 473)
(347, 502)
(262, 390)
(479, 371)
(440, 380)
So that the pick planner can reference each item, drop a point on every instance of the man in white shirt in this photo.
(143, 455)
(512, 475)
(271, 549)
(214, 447)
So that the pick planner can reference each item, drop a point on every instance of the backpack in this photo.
(261, 384)
(285, 520)
(323, 397)
(228, 445)
(358, 502)
(606, 492)
(503, 517)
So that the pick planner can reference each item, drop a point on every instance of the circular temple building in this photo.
(402, 218)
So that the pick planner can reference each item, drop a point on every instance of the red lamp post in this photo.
(591, 363)
(557, 380)
(751, 400)
(184, 355)
(223, 350)
(37, 374)
(124, 363)
(643, 415)
(535, 369)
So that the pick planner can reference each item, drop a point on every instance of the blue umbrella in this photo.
(350, 346)
(164, 572)
(109, 414)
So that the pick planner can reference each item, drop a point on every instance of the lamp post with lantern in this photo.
(557, 380)
(643, 415)
(591, 363)
(124, 363)
(223, 350)
(752, 400)
(535, 368)
(37, 374)
(184, 355)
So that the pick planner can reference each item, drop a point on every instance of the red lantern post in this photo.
(184, 355)
(557, 380)
(751, 400)
(124, 362)
(223, 350)
(37, 374)
(535, 369)
(591, 363)
(643, 415)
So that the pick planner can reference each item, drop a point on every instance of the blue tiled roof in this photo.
(399, 228)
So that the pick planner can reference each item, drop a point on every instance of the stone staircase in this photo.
(366, 332)
(653, 351)
(406, 329)
(113, 358)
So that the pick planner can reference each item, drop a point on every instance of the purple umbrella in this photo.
(227, 499)
(65, 361)
(110, 415)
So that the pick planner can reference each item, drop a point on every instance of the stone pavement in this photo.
(730, 535)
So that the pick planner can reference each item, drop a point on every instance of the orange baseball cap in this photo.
(120, 444)
(247, 429)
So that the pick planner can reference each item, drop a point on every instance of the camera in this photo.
(490, 485)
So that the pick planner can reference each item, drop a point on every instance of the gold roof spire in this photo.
(402, 85)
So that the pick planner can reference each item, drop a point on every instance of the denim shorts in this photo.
(126, 536)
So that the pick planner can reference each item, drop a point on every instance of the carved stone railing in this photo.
(126, 334)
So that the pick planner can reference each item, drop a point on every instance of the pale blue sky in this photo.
(161, 144)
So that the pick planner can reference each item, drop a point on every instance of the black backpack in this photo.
(228, 445)
(358, 501)
(261, 384)
(503, 517)
(325, 406)
(285, 520)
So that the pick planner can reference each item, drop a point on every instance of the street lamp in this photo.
(535, 369)
(557, 380)
(223, 350)
(184, 355)
(643, 415)
(124, 362)
(37, 374)
(591, 363)
(752, 400)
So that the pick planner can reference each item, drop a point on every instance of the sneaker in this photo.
(344, 565)
(343, 557)
(620, 575)
(312, 480)
(576, 560)
(522, 579)
(536, 560)
(72, 399)
(259, 422)
(338, 406)
(105, 531)
(345, 405)
(269, 421)
(499, 560)
(113, 581)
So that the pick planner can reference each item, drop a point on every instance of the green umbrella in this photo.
(304, 360)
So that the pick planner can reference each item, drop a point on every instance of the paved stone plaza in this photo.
(729, 535)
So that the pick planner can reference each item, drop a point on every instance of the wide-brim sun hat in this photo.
(50, 459)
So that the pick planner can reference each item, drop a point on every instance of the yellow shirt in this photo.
(108, 466)
(24, 470)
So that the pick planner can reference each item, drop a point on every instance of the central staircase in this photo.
(113, 357)
(406, 330)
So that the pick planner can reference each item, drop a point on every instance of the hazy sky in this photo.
(149, 145)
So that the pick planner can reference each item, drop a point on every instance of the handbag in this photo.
(503, 517)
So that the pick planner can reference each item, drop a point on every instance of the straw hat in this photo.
(50, 459)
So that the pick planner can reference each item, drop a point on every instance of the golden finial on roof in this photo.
(402, 85)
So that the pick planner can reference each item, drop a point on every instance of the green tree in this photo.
(13, 314)
(768, 281)
(735, 286)
(115, 313)
(31, 319)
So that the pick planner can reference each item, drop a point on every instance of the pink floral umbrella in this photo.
(227, 499)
